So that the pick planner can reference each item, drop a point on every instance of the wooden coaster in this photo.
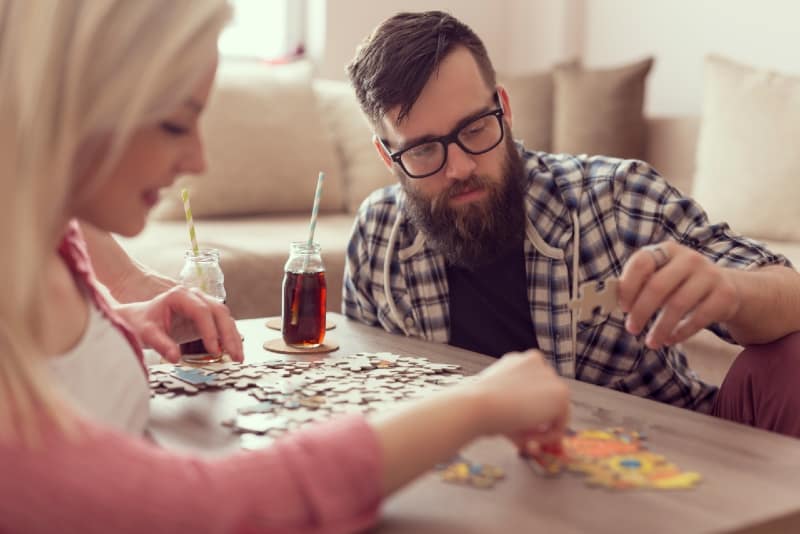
(278, 345)
(275, 323)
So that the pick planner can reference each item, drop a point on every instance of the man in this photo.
(484, 245)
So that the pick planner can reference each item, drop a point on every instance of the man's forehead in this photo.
(431, 120)
(455, 91)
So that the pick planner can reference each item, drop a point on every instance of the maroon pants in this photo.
(762, 387)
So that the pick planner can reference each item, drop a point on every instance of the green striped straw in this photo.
(187, 209)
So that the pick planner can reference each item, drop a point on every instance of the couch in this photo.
(269, 133)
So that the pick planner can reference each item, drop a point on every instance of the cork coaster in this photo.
(275, 323)
(278, 345)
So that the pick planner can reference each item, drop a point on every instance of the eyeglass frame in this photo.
(447, 140)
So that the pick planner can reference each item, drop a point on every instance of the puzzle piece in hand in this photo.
(614, 459)
(460, 470)
(600, 294)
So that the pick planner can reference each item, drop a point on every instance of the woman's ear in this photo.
(382, 152)
(505, 103)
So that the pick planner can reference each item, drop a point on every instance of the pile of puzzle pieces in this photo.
(613, 458)
(289, 393)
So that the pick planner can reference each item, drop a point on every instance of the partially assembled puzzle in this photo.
(289, 393)
(612, 458)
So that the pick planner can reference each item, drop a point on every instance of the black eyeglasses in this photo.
(478, 136)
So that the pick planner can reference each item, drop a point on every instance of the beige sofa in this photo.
(322, 119)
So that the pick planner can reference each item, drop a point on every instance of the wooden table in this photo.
(751, 478)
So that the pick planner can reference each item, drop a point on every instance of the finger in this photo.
(228, 334)
(192, 304)
(703, 315)
(657, 289)
(682, 301)
(639, 267)
(158, 340)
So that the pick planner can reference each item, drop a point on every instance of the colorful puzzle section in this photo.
(460, 470)
(615, 459)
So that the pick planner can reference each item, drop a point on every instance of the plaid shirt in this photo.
(617, 206)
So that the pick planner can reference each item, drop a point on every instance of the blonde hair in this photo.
(71, 72)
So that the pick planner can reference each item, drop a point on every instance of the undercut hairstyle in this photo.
(393, 64)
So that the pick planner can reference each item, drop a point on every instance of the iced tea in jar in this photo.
(304, 296)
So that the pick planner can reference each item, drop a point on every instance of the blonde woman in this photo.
(99, 108)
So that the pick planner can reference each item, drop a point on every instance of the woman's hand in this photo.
(522, 397)
(174, 316)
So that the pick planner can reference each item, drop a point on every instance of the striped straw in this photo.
(315, 209)
(295, 311)
(187, 208)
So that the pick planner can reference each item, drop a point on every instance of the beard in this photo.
(473, 234)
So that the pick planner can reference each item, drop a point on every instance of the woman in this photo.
(99, 111)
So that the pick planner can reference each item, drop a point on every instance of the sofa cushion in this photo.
(531, 98)
(600, 111)
(253, 251)
(363, 170)
(265, 144)
(747, 157)
(671, 144)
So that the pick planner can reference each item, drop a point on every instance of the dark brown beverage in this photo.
(195, 352)
(304, 303)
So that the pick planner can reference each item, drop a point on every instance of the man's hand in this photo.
(684, 288)
(161, 323)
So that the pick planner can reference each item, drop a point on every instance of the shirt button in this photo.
(409, 322)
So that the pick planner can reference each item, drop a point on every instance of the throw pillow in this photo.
(531, 98)
(600, 112)
(747, 158)
(363, 170)
(265, 145)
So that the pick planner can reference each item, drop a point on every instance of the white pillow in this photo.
(265, 145)
(748, 162)
(363, 169)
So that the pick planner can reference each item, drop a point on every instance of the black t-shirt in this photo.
(489, 310)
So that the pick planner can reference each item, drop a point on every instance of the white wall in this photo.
(520, 35)
(347, 22)
(679, 33)
(532, 35)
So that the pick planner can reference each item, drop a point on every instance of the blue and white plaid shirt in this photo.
(395, 280)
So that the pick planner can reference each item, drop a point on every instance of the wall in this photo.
(520, 35)
(679, 33)
(531, 35)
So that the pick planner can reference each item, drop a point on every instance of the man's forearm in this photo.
(769, 304)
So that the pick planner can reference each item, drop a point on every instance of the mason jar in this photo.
(202, 271)
(304, 299)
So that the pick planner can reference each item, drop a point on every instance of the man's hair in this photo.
(393, 64)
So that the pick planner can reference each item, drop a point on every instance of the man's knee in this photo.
(775, 362)
(761, 387)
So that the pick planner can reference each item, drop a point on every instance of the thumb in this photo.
(158, 340)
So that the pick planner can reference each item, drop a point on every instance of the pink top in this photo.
(325, 478)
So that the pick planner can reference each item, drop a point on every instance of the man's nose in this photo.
(460, 165)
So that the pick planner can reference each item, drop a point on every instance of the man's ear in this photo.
(505, 103)
(382, 152)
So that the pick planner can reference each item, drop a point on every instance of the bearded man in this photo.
(483, 244)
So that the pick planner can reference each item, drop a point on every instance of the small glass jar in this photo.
(304, 296)
(202, 270)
